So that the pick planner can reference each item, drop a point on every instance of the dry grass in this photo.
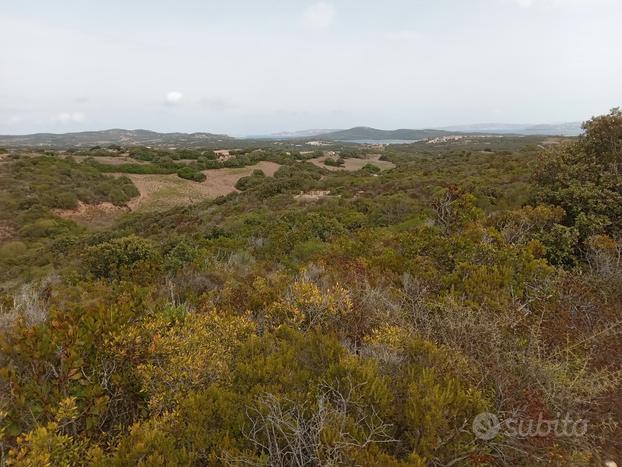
(159, 192)
(108, 160)
(354, 164)
(28, 304)
(6, 231)
(96, 216)
(313, 195)
(113, 160)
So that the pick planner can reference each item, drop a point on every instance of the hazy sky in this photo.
(244, 67)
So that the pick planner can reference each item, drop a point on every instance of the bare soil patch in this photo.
(160, 192)
(108, 160)
(93, 215)
(118, 160)
(313, 195)
(6, 232)
(354, 164)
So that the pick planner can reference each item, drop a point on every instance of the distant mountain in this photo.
(303, 134)
(114, 136)
(561, 129)
(152, 138)
(366, 133)
(363, 133)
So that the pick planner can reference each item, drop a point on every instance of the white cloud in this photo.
(320, 15)
(406, 35)
(69, 117)
(174, 97)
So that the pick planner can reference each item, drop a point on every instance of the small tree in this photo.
(120, 256)
(452, 209)
(584, 178)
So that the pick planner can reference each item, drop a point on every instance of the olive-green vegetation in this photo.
(30, 188)
(368, 327)
(186, 163)
(585, 179)
(251, 181)
(340, 162)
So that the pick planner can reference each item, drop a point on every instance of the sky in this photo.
(262, 66)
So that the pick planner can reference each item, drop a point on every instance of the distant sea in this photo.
(382, 141)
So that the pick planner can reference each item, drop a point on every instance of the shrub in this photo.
(179, 255)
(115, 258)
(46, 227)
(65, 200)
(191, 174)
(583, 178)
(371, 168)
(251, 181)
(335, 162)
(10, 251)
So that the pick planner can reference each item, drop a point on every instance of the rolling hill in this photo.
(555, 129)
(367, 133)
(363, 133)
(114, 136)
(302, 134)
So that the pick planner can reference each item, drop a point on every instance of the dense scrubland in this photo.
(368, 327)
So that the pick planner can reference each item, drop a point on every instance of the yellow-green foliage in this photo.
(368, 327)
(181, 351)
(122, 257)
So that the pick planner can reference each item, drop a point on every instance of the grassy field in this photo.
(353, 164)
(112, 160)
(159, 192)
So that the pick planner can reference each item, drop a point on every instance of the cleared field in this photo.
(116, 160)
(108, 160)
(159, 192)
(354, 164)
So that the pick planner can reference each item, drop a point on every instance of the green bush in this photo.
(45, 228)
(65, 200)
(11, 250)
(335, 162)
(251, 181)
(371, 168)
(191, 174)
(583, 178)
(117, 257)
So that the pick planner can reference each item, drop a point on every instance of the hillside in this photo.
(301, 134)
(113, 136)
(367, 133)
(370, 316)
(561, 129)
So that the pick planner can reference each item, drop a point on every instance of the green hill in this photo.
(367, 133)
(113, 136)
